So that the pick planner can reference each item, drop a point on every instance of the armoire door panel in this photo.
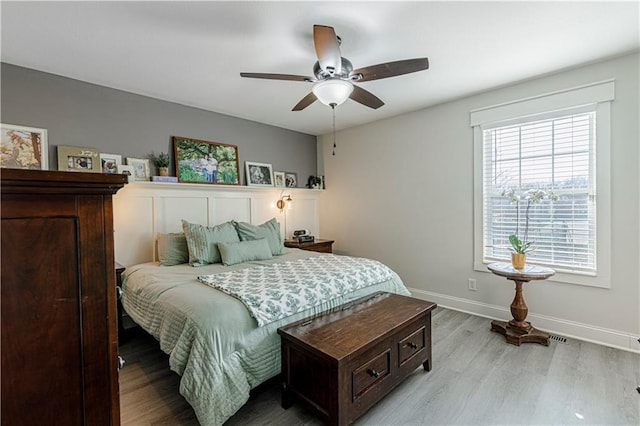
(41, 322)
(15, 205)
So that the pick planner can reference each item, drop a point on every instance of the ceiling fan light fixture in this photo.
(332, 91)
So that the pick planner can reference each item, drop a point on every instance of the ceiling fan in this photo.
(334, 75)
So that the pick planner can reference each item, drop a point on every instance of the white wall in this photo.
(400, 190)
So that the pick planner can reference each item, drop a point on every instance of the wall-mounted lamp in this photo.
(284, 201)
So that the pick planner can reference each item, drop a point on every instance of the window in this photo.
(553, 154)
(557, 142)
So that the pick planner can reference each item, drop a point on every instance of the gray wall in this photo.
(82, 114)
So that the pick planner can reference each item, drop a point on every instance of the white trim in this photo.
(478, 201)
(598, 93)
(603, 196)
(543, 116)
(602, 91)
(146, 185)
(575, 330)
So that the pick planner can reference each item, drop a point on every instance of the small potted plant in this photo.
(519, 251)
(520, 247)
(162, 161)
(314, 182)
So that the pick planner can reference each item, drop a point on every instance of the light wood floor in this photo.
(477, 379)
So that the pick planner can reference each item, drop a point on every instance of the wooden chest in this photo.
(342, 362)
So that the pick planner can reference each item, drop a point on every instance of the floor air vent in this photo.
(558, 338)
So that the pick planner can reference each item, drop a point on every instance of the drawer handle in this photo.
(118, 293)
(374, 373)
(412, 345)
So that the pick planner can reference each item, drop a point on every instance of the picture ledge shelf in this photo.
(204, 186)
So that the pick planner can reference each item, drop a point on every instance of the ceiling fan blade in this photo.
(327, 49)
(268, 76)
(391, 69)
(365, 97)
(305, 102)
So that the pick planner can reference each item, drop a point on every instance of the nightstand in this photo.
(125, 324)
(121, 331)
(322, 246)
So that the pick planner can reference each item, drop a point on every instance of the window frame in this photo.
(598, 95)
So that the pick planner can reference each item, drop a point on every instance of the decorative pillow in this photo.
(269, 230)
(202, 241)
(172, 249)
(244, 251)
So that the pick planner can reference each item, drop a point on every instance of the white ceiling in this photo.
(193, 52)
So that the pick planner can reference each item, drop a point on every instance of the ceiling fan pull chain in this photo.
(333, 110)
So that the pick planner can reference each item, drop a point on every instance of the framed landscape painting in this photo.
(199, 161)
(23, 147)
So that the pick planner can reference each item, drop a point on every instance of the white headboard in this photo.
(143, 209)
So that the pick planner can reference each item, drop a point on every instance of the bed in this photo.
(213, 341)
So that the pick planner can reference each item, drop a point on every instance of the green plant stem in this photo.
(526, 225)
(517, 217)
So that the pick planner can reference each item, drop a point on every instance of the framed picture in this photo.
(278, 179)
(109, 162)
(23, 147)
(206, 162)
(140, 168)
(126, 170)
(291, 180)
(258, 174)
(78, 159)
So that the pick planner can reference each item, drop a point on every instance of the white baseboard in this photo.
(602, 336)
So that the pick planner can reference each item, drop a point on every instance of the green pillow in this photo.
(244, 251)
(172, 249)
(202, 241)
(269, 230)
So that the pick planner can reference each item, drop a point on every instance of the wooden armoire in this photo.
(59, 333)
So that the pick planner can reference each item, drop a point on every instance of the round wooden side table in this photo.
(518, 330)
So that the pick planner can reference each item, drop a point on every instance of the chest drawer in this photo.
(411, 345)
(371, 373)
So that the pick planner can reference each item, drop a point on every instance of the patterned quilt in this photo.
(283, 289)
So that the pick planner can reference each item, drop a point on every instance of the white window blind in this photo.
(554, 153)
